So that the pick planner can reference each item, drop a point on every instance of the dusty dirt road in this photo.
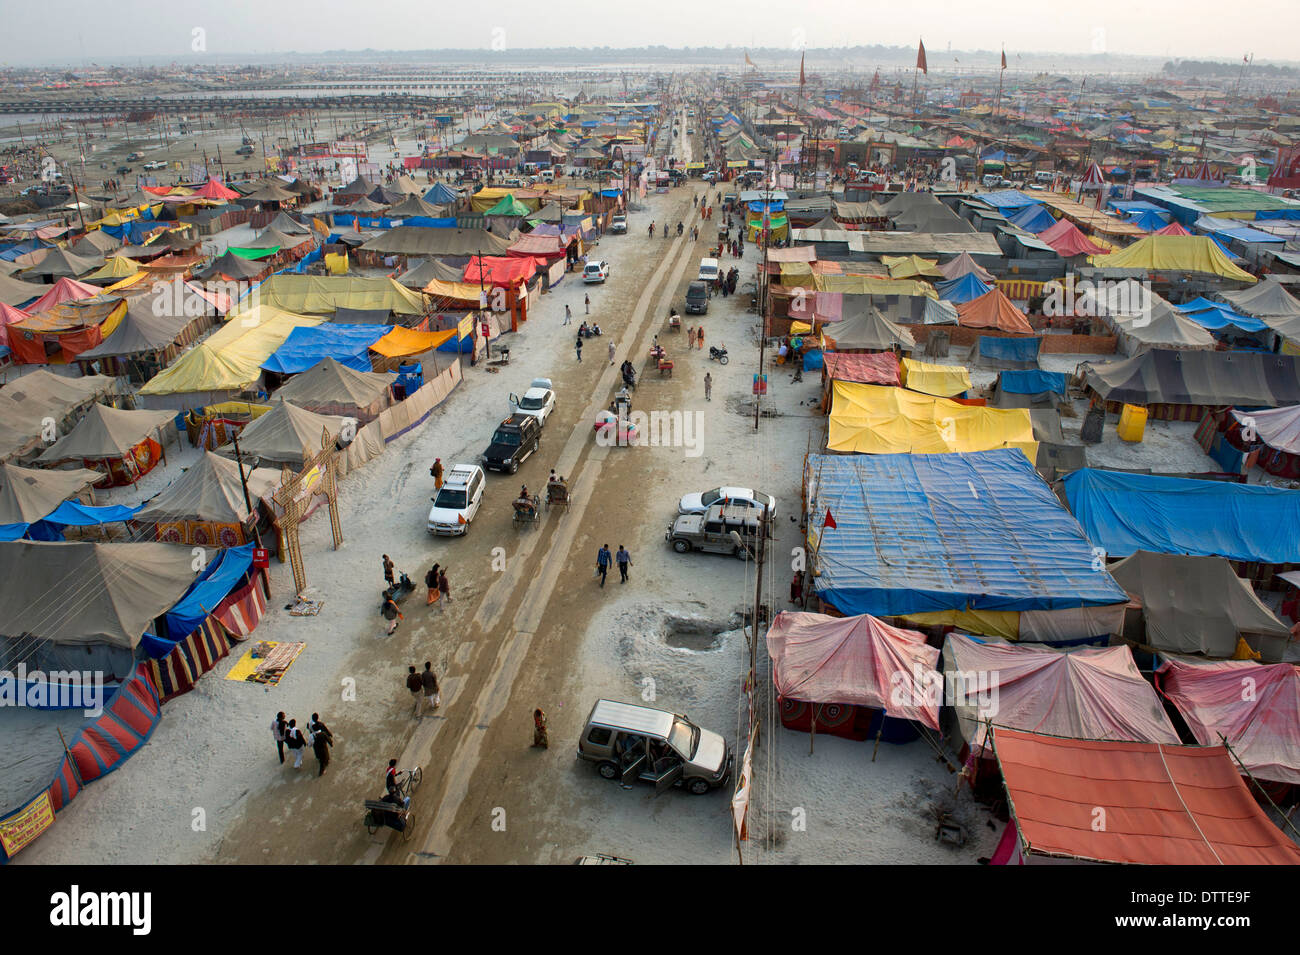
(508, 640)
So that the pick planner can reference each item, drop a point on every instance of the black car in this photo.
(516, 437)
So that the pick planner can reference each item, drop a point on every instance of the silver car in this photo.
(630, 742)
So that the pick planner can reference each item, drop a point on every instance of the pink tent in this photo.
(1090, 693)
(1255, 707)
(1067, 240)
(964, 264)
(9, 316)
(64, 290)
(213, 189)
(1172, 229)
(856, 661)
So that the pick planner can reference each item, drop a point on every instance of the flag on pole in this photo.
(829, 521)
(1004, 58)
(801, 80)
(920, 59)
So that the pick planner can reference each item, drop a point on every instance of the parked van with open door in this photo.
(630, 742)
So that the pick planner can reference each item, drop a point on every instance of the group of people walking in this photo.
(318, 738)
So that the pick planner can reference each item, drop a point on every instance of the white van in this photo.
(708, 270)
(1044, 176)
(548, 175)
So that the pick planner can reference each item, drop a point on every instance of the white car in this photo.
(700, 502)
(155, 164)
(458, 501)
(538, 401)
(595, 272)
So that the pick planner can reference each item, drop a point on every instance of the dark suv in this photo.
(516, 437)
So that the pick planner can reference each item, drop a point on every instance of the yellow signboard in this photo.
(466, 327)
(737, 164)
(22, 828)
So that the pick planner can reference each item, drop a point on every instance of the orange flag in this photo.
(920, 59)
(1004, 59)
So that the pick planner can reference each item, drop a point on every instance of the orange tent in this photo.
(1162, 804)
(993, 310)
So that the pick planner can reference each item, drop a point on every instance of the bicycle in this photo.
(408, 779)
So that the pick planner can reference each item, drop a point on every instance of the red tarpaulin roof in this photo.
(1164, 805)
(64, 290)
(546, 246)
(8, 316)
(877, 369)
(993, 310)
(854, 661)
(213, 189)
(1172, 229)
(1067, 240)
(1262, 726)
(500, 270)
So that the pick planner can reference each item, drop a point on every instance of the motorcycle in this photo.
(718, 354)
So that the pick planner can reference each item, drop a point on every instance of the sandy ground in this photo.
(530, 627)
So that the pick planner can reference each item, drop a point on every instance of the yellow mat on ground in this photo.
(265, 662)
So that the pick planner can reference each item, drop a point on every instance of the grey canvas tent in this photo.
(1264, 300)
(866, 328)
(59, 263)
(419, 241)
(14, 291)
(236, 268)
(329, 388)
(210, 490)
(431, 270)
(29, 494)
(1199, 605)
(963, 264)
(288, 225)
(1206, 378)
(140, 331)
(414, 206)
(106, 433)
(83, 605)
(285, 435)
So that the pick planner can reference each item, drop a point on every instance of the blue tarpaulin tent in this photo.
(1146, 219)
(1032, 381)
(1125, 513)
(208, 590)
(963, 289)
(930, 532)
(1216, 317)
(74, 514)
(440, 195)
(1007, 352)
(1033, 219)
(1007, 199)
(346, 344)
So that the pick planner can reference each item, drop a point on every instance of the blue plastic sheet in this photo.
(1125, 513)
(12, 532)
(441, 195)
(346, 344)
(928, 532)
(812, 360)
(1007, 199)
(963, 289)
(74, 514)
(1032, 381)
(1018, 350)
(210, 588)
(1033, 219)
(431, 222)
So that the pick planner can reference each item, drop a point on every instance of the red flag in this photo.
(920, 59)
(1004, 59)
(801, 56)
(460, 519)
(829, 521)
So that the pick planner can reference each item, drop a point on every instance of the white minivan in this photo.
(708, 270)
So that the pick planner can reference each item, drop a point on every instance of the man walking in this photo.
(296, 742)
(320, 745)
(436, 471)
(586, 300)
(611, 351)
(416, 687)
(278, 727)
(388, 570)
(708, 387)
(444, 588)
(429, 680)
(602, 563)
(568, 315)
(578, 347)
(624, 561)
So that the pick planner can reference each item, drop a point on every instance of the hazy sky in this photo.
(77, 31)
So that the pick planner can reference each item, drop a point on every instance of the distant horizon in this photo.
(70, 32)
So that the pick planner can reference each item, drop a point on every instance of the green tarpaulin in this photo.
(253, 253)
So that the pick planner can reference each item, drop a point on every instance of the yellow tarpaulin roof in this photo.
(322, 295)
(871, 285)
(911, 266)
(461, 291)
(114, 267)
(881, 419)
(232, 357)
(1173, 253)
(405, 341)
(941, 380)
